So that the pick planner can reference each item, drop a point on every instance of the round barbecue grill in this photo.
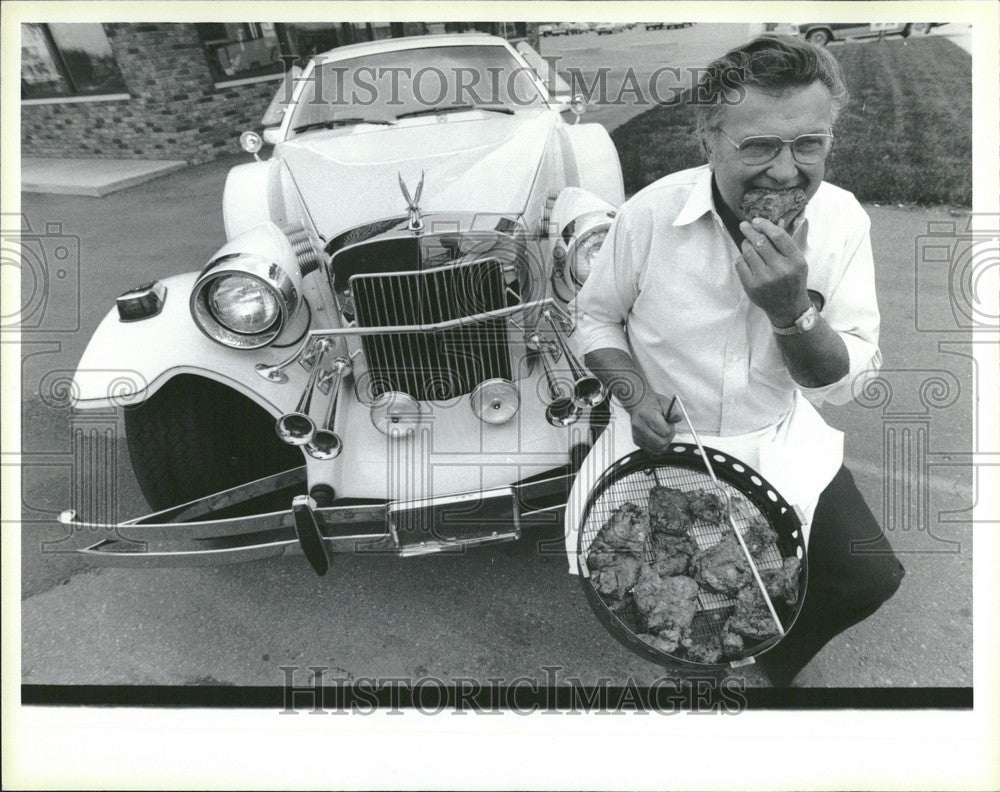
(630, 479)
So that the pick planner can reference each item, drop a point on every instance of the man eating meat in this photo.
(746, 287)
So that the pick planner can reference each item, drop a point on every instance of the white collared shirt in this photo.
(664, 289)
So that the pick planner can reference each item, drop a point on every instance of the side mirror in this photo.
(272, 135)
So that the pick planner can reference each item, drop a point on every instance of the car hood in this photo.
(486, 164)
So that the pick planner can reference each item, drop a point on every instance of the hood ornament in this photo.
(416, 223)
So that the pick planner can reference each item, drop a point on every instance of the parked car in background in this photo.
(607, 28)
(546, 29)
(580, 27)
(667, 25)
(376, 359)
(822, 33)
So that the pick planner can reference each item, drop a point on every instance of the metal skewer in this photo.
(729, 513)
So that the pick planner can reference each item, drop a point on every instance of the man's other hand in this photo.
(652, 425)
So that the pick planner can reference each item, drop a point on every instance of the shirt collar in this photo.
(700, 199)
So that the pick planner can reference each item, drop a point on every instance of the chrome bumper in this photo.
(188, 535)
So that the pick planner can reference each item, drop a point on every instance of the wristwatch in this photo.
(805, 323)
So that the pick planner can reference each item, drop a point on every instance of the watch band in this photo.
(803, 324)
(786, 331)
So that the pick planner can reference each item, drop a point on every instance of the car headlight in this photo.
(583, 254)
(243, 304)
(244, 301)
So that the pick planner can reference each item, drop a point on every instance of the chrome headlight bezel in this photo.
(269, 274)
(583, 229)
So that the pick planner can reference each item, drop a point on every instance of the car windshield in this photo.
(388, 86)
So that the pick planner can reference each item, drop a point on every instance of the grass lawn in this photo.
(905, 137)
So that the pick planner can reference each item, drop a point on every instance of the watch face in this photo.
(807, 320)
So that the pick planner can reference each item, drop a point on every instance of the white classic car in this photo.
(377, 358)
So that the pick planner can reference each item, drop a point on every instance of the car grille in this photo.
(433, 365)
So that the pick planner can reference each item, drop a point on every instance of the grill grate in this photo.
(443, 364)
(713, 609)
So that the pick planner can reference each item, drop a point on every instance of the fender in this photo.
(127, 362)
(251, 196)
(592, 162)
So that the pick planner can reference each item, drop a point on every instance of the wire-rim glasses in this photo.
(807, 149)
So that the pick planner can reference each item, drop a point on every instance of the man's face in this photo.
(798, 111)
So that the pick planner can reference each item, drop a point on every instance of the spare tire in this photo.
(195, 436)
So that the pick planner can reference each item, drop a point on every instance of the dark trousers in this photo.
(852, 571)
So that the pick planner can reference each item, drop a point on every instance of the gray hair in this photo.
(770, 64)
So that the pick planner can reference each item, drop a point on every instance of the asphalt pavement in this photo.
(506, 611)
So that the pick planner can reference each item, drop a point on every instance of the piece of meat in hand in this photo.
(705, 506)
(772, 204)
(723, 567)
(667, 604)
(783, 584)
(751, 618)
(671, 554)
(668, 511)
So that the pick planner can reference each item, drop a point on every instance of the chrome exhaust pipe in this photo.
(325, 443)
(561, 411)
(588, 391)
(297, 428)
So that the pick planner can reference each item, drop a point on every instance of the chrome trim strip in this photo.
(346, 529)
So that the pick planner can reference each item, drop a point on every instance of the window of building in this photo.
(241, 49)
(67, 59)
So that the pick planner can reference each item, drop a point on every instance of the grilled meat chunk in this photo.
(733, 647)
(668, 512)
(751, 618)
(624, 532)
(783, 584)
(706, 506)
(613, 575)
(707, 650)
(667, 604)
(671, 554)
(616, 554)
(722, 568)
(759, 538)
(666, 641)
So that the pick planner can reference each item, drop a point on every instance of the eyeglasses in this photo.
(760, 149)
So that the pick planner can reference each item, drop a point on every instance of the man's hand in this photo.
(652, 426)
(773, 271)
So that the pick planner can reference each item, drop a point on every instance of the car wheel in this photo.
(194, 437)
(818, 37)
